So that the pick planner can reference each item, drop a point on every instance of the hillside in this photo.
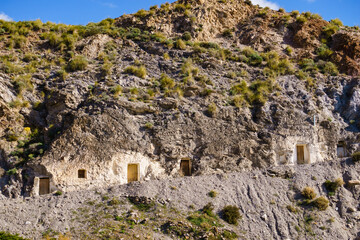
(270, 202)
(195, 88)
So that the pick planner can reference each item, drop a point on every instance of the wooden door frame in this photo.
(137, 170)
(190, 166)
(48, 187)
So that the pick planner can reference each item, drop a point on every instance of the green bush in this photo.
(231, 214)
(8, 236)
(208, 210)
(337, 22)
(356, 157)
(322, 203)
(255, 59)
(212, 194)
(141, 13)
(11, 171)
(329, 30)
(301, 19)
(308, 193)
(328, 68)
(308, 65)
(324, 52)
(186, 36)
(78, 63)
(331, 187)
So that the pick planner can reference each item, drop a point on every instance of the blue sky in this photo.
(84, 11)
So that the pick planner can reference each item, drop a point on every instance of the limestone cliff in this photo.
(224, 85)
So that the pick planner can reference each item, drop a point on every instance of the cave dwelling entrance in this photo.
(133, 172)
(341, 149)
(44, 185)
(302, 154)
(185, 167)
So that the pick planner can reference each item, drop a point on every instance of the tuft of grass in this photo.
(166, 82)
(116, 90)
(308, 193)
(212, 109)
(78, 63)
(292, 209)
(322, 203)
(139, 71)
(179, 44)
(58, 193)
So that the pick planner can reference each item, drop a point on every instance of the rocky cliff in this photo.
(224, 85)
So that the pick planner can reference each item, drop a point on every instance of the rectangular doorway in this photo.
(133, 172)
(341, 149)
(44, 186)
(185, 167)
(300, 153)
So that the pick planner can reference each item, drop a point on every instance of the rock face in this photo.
(269, 203)
(176, 90)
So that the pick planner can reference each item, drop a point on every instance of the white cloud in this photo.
(110, 5)
(265, 3)
(5, 17)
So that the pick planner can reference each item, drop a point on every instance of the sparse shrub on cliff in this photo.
(322, 203)
(328, 31)
(189, 71)
(328, 68)
(308, 65)
(212, 109)
(231, 214)
(141, 13)
(106, 67)
(11, 171)
(180, 7)
(308, 193)
(248, 2)
(186, 36)
(288, 50)
(337, 22)
(332, 186)
(324, 52)
(301, 19)
(139, 71)
(212, 194)
(356, 157)
(292, 209)
(208, 209)
(78, 63)
(228, 33)
(116, 91)
(179, 44)
(8, 236)
(166, 82)
(22, 83)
